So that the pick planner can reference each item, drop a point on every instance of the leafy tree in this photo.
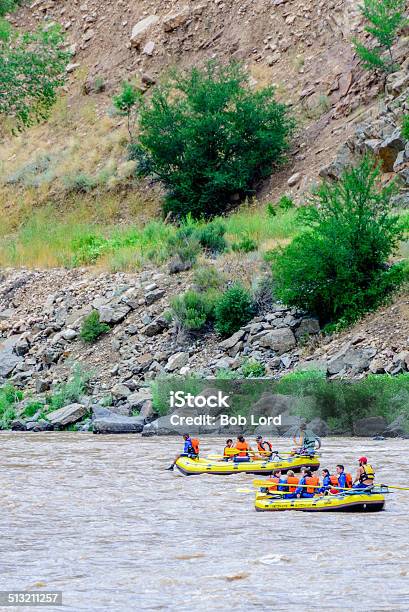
(32, 67)
(385, 18)
(336, 269)
(208, 137)
(127, 103)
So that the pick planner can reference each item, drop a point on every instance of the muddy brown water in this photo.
(98, 518)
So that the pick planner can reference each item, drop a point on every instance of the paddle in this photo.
(267, 484)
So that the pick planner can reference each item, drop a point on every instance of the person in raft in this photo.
(326, 481)
(365, 475)
(306, 443)
(226, 454)
(264, 447)
(308, 484)
(244, 449)
(190, 449)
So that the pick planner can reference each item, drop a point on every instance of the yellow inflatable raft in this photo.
(342, 502)
(189, 466)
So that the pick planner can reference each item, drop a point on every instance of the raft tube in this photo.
(189, 467)
(342, 502)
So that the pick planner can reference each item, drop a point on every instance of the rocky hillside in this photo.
(41, 314)
(302, 47)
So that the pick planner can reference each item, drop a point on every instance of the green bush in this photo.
(185, 244)
(208, 137)
(244, 245)
(285, 203)
(336, 269)
(385, 18)
(193, 310)
(207, 277)
(92, 328)
(253, 369)
(341, 402)
(31, 408)
(233, 309)
(211, 237)
(271, 209)
(70, 391)
(9, 396)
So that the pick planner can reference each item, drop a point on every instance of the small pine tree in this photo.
(92, 328)
(126, 103)
(385, 19)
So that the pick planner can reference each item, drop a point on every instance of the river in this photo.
(98, 518)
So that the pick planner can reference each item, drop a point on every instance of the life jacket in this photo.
(228, 451)
(274, 480)
(333, 480)
(243, 447)
(262, 446)
(194, 446)
(292, 481)
(312, 483)
(348, 480)
(368, 473)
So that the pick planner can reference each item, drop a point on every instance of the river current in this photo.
(99, 519)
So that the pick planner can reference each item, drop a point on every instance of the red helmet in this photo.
(363, 460)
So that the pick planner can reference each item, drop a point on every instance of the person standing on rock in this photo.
(190, 449)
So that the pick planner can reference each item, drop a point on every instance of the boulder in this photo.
(279, 340)
(69, 334)
(389, 150)
(120, 391)
(67, 415)
(100, 412)
(344, 158)
(155, 327)
(398, 428)
(369, 426)
(232, 341)
(397, 82)
(154, 296)
(176, 361)
(42, 385)
(141, 28)
(351, 358)
(113, 312)
(307, 327)
(138, 399)
(116, 424)
(294, 179)
(41, 425)
(176, 19)
(149, 48)
(18, 425)
(8, 358)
